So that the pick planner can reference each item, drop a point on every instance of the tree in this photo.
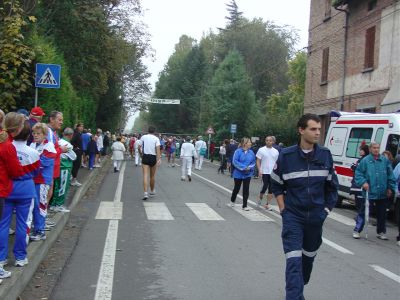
(232, 98)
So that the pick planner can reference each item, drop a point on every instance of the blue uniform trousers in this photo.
(301, 237)
(40, 208)
(23, 208)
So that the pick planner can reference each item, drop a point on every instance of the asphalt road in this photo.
(187, 243)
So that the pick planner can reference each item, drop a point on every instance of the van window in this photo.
(358, 136)
(393, 144)
(379, 135)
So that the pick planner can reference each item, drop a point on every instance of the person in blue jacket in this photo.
(375, 176)
(305, 186)
(244, 161)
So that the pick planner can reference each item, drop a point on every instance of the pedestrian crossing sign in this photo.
(48, 76)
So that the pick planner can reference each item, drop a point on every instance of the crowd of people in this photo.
(37, 167)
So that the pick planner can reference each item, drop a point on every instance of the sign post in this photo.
(233, 130)
(48, 77)
(210, 131)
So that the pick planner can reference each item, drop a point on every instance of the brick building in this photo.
(353, 57)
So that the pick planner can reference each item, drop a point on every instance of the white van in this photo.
(348, 131)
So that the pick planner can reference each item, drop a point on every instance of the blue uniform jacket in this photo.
(379, 175)
(241, 161)
(308, 181)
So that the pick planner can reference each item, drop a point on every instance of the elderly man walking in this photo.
(375, 176)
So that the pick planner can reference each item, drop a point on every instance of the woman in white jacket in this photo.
(118, 150)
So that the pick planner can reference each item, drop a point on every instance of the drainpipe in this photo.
(346, 26)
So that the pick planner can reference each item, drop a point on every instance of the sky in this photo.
(167, 20)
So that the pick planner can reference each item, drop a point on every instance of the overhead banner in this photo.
(161, 101)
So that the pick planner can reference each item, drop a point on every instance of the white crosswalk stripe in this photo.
(157, 211)
(204, 212)
(252, 214)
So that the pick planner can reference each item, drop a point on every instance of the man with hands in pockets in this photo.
(305, 186)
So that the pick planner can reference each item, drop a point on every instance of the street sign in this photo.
(233, 128)
(210, 130)
(48, 76)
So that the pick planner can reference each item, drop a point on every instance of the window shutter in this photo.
(369, 48)
(325, 63)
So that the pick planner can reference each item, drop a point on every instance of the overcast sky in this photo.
(167, 20)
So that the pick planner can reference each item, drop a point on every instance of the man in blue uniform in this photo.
(305, 186)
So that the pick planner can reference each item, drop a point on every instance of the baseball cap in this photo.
(37, 112)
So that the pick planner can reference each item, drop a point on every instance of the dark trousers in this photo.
(236, 189)
(77, 163)
(222, 166)
(380, 207)
(301, 238)
(360, 219)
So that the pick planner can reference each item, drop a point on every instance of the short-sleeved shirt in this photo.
(149, 143)
(268, 157)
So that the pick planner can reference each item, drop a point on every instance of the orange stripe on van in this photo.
(344, 171)
(362, 122)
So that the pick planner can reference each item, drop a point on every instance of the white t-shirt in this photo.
(150, 143)
(268, 157)
(187, 150)
(222, 150)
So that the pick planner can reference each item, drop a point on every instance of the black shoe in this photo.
(115, 170)
(190, 178)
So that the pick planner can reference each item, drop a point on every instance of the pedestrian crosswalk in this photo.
(159, 211)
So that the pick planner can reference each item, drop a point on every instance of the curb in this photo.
(12, 287)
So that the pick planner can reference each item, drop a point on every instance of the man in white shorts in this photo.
(266, 159)
(149, 149)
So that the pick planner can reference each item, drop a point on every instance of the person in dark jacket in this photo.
(305, 186)
(92, 151)
(76, 142)
(356, 191)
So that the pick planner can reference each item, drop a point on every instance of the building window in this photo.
(325, 63)
(358, 137)
(369, 110)
(369, 49)
(328, 5)
(372, 4)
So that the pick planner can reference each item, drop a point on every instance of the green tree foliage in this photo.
(15, 55)
(284, 109)
(232, 98)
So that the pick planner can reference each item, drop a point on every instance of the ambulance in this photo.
(348, 131)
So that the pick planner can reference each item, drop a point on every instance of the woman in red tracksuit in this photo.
(21, 199)
(10, 167)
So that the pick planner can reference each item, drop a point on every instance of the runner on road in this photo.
(149, 149)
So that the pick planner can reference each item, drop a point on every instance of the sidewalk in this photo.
(12, 287)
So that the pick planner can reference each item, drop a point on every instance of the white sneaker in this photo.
(356, 235)
(232, 204)
(96, 166)
(3, 263)
(145, 196)
(246, 208)
(21, 262)
(75, 183)
(152, 193)
(11, 231)
(398, 243)
(61, 208)
(4, 273)
(382, 236)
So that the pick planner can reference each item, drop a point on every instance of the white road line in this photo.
(157, 211)
(385, 272)
(106, 274)
(204, 212)
(252, 215)
(342, 219)
(336, 246)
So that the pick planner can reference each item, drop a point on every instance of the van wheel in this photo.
(339, 202)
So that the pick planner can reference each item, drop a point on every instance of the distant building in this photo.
(353, 57)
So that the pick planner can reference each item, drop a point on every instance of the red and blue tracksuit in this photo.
(43, 180)
(22, 200)
(309, 185)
